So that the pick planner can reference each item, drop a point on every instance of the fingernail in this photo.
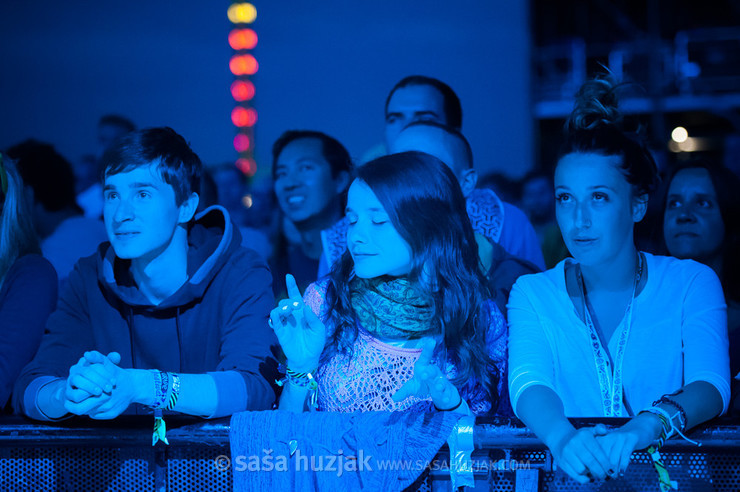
(285, 308)
(611, 472)
(295, 304)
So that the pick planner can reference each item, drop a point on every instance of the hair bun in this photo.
(596, 105)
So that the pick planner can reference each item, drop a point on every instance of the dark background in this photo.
(329, 65)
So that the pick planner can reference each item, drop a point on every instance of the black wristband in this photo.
(450, 409)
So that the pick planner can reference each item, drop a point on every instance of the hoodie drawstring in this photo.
(130, 321)
(179, 337)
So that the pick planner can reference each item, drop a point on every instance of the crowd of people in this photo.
(395, 284)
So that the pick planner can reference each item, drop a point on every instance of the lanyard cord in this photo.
(610, 383)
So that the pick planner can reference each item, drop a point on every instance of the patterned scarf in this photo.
(390, 307)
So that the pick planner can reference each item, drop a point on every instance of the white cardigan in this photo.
(678, 336)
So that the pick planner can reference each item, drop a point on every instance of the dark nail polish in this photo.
(611, 472)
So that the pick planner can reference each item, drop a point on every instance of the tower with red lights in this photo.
(243, 64)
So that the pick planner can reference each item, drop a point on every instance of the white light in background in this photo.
(679, 134)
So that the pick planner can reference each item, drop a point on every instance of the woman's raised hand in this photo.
(429, 380)
(300, 332)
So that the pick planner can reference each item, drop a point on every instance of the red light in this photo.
(242, 90)
(247, 166)
(251, 117)
(242, 39)
(239, 117)
(243, 117)
(243, 65)
(242, 143)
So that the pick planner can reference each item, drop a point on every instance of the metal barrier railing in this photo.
(82, 454)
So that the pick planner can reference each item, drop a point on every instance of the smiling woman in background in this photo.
(311, 173)
(613, 332)
(702, 222)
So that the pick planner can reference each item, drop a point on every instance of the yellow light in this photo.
(688, 145)
(679, 134)
(242, 13)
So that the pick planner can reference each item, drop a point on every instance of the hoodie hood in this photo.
(210, 238)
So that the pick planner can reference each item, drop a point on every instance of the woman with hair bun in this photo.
(613, 332)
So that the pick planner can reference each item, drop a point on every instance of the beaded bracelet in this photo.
(681, 412)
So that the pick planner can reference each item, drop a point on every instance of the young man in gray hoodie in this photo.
(170, 314)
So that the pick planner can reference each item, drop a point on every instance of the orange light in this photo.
(251, 115)
(243, 65)
(242, 39)
(247, 166)
(242, 117)
(241, 143)
(242, 90)
(242, 13)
